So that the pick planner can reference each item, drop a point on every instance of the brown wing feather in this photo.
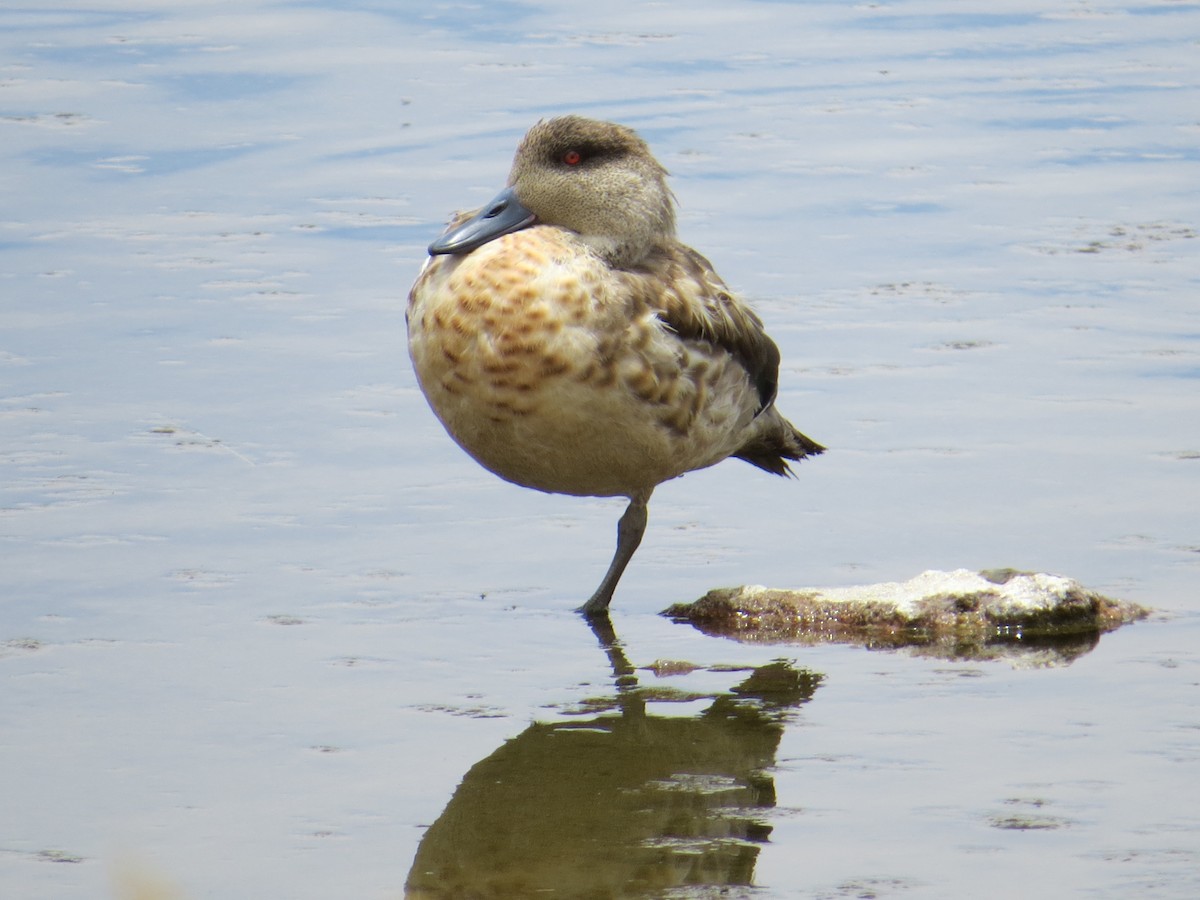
(693, 300)
(689, 297)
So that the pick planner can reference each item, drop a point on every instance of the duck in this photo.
(570, 343)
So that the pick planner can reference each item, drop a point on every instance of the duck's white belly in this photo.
(542, 371)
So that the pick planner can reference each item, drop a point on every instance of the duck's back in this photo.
(560, 373)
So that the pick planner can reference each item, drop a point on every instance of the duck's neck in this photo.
(626, 253)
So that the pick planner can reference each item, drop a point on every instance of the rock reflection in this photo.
(1014, 647)
(624, 803)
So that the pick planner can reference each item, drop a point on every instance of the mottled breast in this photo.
(552, 372)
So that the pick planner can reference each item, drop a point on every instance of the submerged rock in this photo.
(958, 614)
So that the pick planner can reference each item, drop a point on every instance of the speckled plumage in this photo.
(569, 343)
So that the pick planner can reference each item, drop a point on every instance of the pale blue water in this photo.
(260, 617)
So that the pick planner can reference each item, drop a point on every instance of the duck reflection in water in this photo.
(621, 804)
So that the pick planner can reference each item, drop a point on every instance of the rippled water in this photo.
(266, 632)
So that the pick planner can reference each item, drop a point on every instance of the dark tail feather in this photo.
(773, 447)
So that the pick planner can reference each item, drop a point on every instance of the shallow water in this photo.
(267, 632)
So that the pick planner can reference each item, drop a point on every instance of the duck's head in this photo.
(594, 178)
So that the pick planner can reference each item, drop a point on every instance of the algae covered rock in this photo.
(954, 614)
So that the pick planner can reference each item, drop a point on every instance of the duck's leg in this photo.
(629, 534)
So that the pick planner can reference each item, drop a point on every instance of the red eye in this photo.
(572, 157)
